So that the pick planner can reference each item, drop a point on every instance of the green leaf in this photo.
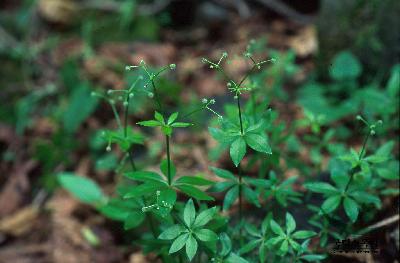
(220, 186)
(193, 180)
(273, 241)
(284, 248)
(256, 127)
(223, 173)
(168, 198)
(376, 158)
(145, 176)
(351, 208)
(195, 193)
(191, 247)
(206, 235)
(221, 136)
(204, 217)
(296, 246)
(81, 105)
(164, 168)
(323, 188)
(331, 204)
(115, 209)
(365, 198)
(226, 244)
(230, 197)
(158, 116)
(266, 223)
(189, 213)
(258, 143)
(276, 228)
(167, 130)
(312, 257)
(233, 258)
(150, 123)
(82, 188)
(251, 196)
(252, 230)
(144, 189)
(133, 219)
(249, 246)
(385, 149)
(238, 150)
(178, 243)
(303, 234)
(180, 124)
(172, 232)
(290, 223)
(172, 118)
(345, 66)
(393, 84)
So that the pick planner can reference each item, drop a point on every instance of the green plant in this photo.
(181, 226)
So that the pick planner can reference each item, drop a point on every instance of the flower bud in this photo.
(172, 66)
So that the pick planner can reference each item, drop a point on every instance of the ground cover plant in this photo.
(191, 218)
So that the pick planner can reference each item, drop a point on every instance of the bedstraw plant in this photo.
(180, 218)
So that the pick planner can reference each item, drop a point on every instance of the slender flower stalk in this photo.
(371, 132)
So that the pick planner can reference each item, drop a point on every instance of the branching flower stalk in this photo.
(237, 89)
(129, 93)
(371, 132)
(151, 81)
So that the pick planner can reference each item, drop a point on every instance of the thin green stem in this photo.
(359, 158)
(247, 75)
(156, 95)
(240, 114)
(168, 159)
(193, 112)
(116, 114)
(364, 146)
(240, 203)
(126, 113)
(240, 173)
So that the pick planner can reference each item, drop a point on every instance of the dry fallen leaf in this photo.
(14, 191)
(20, 222)
(305, 43)
(58, 11)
